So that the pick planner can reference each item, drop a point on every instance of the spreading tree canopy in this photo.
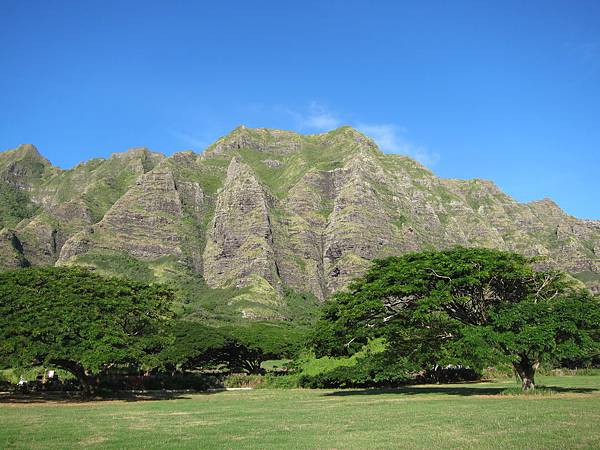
(248, 346)
(194, 346)
(469, 306)
(239, 347)
(81, 322)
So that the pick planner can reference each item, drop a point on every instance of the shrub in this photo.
(280, 381)
(371, 371)
(498, 372)
(243, 381)
(449, 374)
(340, 377)
(159, 381)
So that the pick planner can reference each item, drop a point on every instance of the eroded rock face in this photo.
(240, 238)
(11, 251)
(40, 240)
(143, 223)
(257, 139)
(300, 236)
(78, 244)
(359, 228)
(22, 166)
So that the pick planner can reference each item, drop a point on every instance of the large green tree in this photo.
(470, 306)
(81, 322)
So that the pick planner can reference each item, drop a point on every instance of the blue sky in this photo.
(506, 90)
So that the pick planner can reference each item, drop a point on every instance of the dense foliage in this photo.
(15, 206)
(194, 346)
(235, 348)
(81, 322)
(369, 371)
(250, 345)
(463, 306)
(418, 313)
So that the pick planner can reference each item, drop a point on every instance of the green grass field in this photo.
(443, 416)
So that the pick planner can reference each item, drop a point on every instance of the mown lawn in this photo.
(443, 416)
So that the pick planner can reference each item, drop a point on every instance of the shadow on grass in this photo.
(75, 397)
(462, 390)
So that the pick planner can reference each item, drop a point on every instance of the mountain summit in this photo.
(266, 221)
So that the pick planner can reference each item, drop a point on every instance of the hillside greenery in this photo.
(15, 206)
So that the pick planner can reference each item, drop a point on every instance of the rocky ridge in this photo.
(262, 213)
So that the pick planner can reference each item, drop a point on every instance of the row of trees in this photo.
(474, 307)
(236, 347)
(86, 324)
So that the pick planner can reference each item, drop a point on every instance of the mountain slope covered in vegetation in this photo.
(264, 224)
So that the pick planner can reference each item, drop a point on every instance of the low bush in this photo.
(559, 372)
(191, 381)
(371, 371)
(587, 372)
(280, 381)
(340, 377)
(498, 372)
(449, 374)
(243, 381)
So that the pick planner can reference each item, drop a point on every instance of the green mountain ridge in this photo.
(266, 223)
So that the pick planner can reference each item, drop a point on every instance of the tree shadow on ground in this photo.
(462, 390)
(75, 397)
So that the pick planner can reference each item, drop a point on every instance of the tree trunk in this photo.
(253, 366)
(87, 388)
(87, 382)
(526, 368)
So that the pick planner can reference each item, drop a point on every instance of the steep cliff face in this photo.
(240, 237)
(54, 204)
(142, 223)
(360, 226)
(11, 251)
(23, 167)
(300, 234)
(263, 215)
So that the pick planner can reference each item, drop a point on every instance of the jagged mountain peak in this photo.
(136, 152)
(285, 142)
(23, 167)
(545, 202)
(29, 150)
(24, 152)
(258, 139)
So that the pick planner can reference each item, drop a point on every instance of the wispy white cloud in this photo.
(390, 138)
(187, 139)
(317, 118)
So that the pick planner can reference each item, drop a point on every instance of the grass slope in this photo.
(444, 416)
(14, 206)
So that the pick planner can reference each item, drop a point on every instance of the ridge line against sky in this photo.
(391, 138)
(507, 91)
